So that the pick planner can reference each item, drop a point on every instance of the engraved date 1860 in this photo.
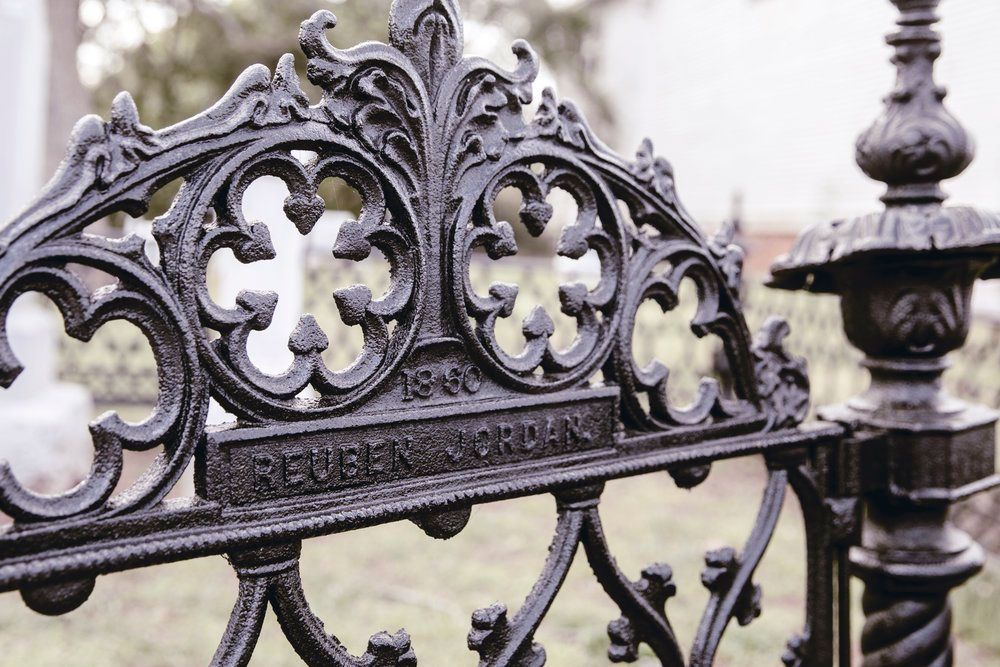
(430, 381)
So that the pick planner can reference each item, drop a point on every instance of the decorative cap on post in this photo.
(914, 145)
(905, 274)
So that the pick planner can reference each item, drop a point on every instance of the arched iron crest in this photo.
(434, 415)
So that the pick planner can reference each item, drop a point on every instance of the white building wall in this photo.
(43, 421)
(767, 97)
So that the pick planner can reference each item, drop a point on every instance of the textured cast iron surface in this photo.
(434, 415)
(905, 277)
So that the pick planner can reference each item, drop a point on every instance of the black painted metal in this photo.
(905, 277)
(434, 416)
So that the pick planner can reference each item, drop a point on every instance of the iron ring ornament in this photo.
(434, 416)
(240, 386)
(597, 311)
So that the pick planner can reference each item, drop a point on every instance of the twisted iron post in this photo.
(905, 277)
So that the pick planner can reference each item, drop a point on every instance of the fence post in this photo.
(905, 277)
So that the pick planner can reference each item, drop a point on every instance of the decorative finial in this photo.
(905, 276)
(430, 33)
(916, 143)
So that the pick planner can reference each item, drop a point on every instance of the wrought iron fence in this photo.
(119, 370)
(445, 409)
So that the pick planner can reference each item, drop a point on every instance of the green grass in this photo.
(394, 576)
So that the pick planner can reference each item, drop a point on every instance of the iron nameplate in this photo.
(250, 465)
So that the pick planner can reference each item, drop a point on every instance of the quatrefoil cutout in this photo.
(375, 229)
(595, 230)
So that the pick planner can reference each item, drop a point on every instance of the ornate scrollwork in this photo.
(430, 33)
(728, 576)
(373, 93)
(240, 385)
(270, 575)
(142, 300)
(491, 633)
(559, 121)
(428, 138)
(656, 586)
(595, 310)
(502, 642)
(654, 172)
(729, 255)
(642, 603)
(101, 171)
(110, 149)
(721, 566)
(649, 281)
(480, 105)
(782, 379)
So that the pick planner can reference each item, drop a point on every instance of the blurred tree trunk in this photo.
(68, 99)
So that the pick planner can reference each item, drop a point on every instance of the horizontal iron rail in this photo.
(190, 528)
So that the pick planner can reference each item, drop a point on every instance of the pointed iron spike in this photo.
(285, 72)
(124, 113)
(645, 148)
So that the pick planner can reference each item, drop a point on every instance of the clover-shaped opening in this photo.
(80, 376)
(539, 270)
(539, 276)
(45, 418)
(319, 280)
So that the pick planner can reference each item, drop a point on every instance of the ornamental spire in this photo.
(916, 143)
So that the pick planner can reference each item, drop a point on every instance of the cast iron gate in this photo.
(435, 416)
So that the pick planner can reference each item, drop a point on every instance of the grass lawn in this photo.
(394, 576)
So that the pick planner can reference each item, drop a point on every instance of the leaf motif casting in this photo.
(783, 381)
(728, 576)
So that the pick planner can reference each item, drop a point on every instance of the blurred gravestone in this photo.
(42, 419)
(284, 274)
